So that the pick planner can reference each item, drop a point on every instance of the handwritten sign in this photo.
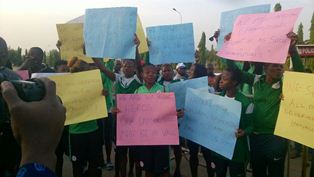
(109, 32)
(81, 95)
(211, 121)
(23, 74)
(228, 18)
(179, 89)
(71, 38)
(141, 36)
(147, 119)
(261, 37)
(296, 116)
(139, 31)
(171, 43)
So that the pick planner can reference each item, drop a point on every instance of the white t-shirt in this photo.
(249, 109)
(125, 82)
(229, 97)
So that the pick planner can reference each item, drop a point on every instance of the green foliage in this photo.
(312, 30)
(52, 57)
(216, 60)
(205, 56)
(212, 55)
(203, 52)
(300, 34)
(277, 7)
(15, 56)
(309, 63)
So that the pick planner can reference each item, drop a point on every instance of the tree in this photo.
(45, 57)
(216, 60)
(212, 55)
(300, 34)
(277, 7)
(15, 56)
(312, 30)
(52, 57)
(25, 55)
(203, 52)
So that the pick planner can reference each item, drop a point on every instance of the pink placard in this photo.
(23, 74)
(261, 37)
(147, 119)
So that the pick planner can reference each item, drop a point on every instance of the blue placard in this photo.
(179, 89)
(228, 18)
(211, 121)
(171, 43)
(109, 32)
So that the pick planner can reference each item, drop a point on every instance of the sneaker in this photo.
(109, 166)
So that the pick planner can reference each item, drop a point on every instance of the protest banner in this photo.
(179, 89)
(143, 47)
(228, 18)
(81, 95)
(171, 43)
(261, 37)
(147, 119)
(296, 116)
(109, 32)
(139, 32)
(211, 121)
(72, 43)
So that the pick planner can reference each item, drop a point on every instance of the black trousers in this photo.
(312, 165)
(10, 152)
(236, 169)
(194, 149)
(268, 154)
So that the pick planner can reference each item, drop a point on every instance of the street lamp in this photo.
(174, 9)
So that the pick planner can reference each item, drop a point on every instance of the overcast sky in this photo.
(28, 23)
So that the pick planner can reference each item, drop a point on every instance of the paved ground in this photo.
(295, 168)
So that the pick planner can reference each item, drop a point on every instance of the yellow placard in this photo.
(141, 36)
(296, 115)
(81, 95)
(71, 37)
